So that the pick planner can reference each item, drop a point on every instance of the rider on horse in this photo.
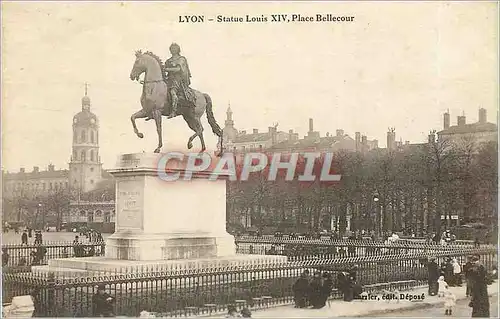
(178, 80)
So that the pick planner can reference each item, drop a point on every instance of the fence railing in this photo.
(304, 249)
(201, 291)
(17, 255)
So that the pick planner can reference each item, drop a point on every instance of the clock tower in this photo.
(85, 165)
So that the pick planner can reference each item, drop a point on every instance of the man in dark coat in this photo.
(24, 238)
(315, 291)
(300, 290)
(102, 303)
(479, 291)
(433, 275)
(326, 288)
(467, 270)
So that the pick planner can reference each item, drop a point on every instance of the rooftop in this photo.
(470, 128)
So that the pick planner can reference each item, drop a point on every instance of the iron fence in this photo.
(304, 249)
(17, 255)
(181, 292)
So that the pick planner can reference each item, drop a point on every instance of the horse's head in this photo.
(139, 66)
(146, 61)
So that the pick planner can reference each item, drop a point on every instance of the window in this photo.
(92, 155)
(44, 186)
(75, 156)
(82, 156)
(107, 217)
(92, 136)
(91, 181)
(91, 169)
(90, 217)
(50, 186)
(83, 137)
(74, 137)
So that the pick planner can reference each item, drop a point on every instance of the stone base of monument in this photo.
(161, 224)
(94, 266)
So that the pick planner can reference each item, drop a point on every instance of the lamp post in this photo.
(378, 214)
(38, 208)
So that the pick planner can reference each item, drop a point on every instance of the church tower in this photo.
(230, 131)
(85, 165)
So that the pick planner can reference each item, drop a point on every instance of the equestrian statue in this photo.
(166, 91)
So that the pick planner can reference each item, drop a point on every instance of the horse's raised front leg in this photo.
(137, 115)
(157, 117)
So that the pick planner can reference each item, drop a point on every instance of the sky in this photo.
(397, 65)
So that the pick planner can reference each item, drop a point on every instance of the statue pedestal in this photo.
(166, 220)
(163, 223)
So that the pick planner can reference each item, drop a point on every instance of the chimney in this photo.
(432, 138)
(35, 169)
(391, 138)
(461, 120)
(446, 120)
(482, 115)
(311, 125)
(51, 167)
(340, 133)
(22, 170)
(255, 131)
(407, 142)
(357, 137)
(364, 140)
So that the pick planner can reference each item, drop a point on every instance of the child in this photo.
(449, 302)
(442, 286)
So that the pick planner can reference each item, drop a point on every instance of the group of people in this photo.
(450, 274)
(312, 292)
(28, 233)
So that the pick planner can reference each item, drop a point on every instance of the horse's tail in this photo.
(210, 116)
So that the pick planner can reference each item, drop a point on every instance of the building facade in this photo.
(28, 194)
(462, 133)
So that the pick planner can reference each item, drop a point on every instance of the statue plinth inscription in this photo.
(129, 207)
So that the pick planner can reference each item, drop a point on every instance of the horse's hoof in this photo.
(190, 145)
(140, 135)
(157, 150)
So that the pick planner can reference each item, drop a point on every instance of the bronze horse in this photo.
(155, 101)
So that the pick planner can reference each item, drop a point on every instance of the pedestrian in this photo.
(24, 238)
(442, 286)
(5, 257)
(344, 285)
(300, 290)
(449, 302)
(448, 272)
(77, 247)
(432, 276)
(326, 288)
(232, 312)
(479, 291)
(102, 303)
(315, 291)
(457, 273)
(246, 313)
(467, 270)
